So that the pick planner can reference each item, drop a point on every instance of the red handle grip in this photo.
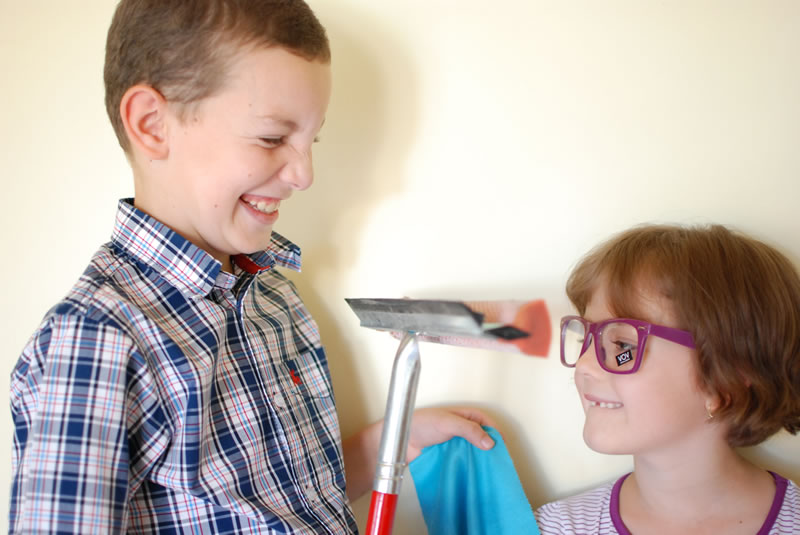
(381, 513)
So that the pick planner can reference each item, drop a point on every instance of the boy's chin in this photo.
(255, 244)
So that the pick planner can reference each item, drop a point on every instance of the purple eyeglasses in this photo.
(619, 342)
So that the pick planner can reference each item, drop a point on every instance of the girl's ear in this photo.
(144, 112)
(713, 403)
(709, 410)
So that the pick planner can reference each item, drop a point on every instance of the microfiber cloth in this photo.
(464, 490)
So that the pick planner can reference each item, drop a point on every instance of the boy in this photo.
(181, 385)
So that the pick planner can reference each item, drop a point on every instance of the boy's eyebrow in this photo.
(283, 122)
(288, 123)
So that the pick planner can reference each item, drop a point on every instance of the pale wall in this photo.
(473, 150)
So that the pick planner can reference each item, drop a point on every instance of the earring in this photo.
(709, 414)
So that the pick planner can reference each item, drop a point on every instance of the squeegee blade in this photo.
(424, 316)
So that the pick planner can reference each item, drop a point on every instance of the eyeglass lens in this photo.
(617, 344)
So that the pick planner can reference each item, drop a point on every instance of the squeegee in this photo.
(520, 326)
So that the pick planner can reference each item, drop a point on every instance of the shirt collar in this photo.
(183, 264)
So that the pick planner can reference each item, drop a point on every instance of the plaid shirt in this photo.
(162, 395)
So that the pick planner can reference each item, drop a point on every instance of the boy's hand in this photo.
(428, 427)
(435, 425)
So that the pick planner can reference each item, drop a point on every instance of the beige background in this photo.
(473, 150)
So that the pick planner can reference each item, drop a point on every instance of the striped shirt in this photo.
(163, 395)
(596, 512)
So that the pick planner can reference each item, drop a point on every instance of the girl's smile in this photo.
(660, 403)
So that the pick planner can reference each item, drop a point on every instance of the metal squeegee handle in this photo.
(394, 437)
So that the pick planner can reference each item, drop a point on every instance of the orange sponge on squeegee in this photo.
(533, 318)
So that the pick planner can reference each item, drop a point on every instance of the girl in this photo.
(687, 346)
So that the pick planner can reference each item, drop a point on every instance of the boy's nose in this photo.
(298, 171)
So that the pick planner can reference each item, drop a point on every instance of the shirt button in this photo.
(279, 401)
(311, 493)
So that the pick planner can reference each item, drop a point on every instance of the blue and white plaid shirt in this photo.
(162, 395)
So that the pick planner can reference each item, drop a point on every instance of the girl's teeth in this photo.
(605, 405)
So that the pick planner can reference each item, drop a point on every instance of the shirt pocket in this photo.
(307, 375)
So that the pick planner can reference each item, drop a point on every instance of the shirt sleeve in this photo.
(548, 519)
(75, 392)
(587, 512)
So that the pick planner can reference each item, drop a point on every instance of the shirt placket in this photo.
(289, 438)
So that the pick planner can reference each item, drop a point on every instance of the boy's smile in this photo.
(265, 209)
(235, 156)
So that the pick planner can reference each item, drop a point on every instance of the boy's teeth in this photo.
(262, 206)
(605, 405)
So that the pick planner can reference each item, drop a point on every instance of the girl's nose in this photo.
(587, 363)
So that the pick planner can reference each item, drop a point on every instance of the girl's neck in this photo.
(713, 491)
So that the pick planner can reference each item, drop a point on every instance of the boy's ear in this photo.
(144, 115)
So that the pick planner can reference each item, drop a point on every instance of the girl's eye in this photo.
(624, 346)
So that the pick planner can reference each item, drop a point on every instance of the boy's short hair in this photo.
(740, 299)
(183, 48)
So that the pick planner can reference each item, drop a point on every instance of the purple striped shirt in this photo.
(162, 395)
(596, 512)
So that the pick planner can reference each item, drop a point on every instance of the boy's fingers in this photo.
(482, 438)
(477, 416)
(471, 430)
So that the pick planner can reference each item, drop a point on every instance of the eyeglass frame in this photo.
(643, 330)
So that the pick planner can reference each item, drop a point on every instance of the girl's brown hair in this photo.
(183, 48)
(740, 299)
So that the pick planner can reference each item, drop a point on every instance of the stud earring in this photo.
(709, 414)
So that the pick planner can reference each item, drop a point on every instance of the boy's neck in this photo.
(226, 261)
(227, 265)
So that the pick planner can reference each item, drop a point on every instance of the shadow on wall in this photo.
(774, 454)
(497, 376)
(371, 111)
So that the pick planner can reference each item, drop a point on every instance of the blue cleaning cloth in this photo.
(464, 490)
